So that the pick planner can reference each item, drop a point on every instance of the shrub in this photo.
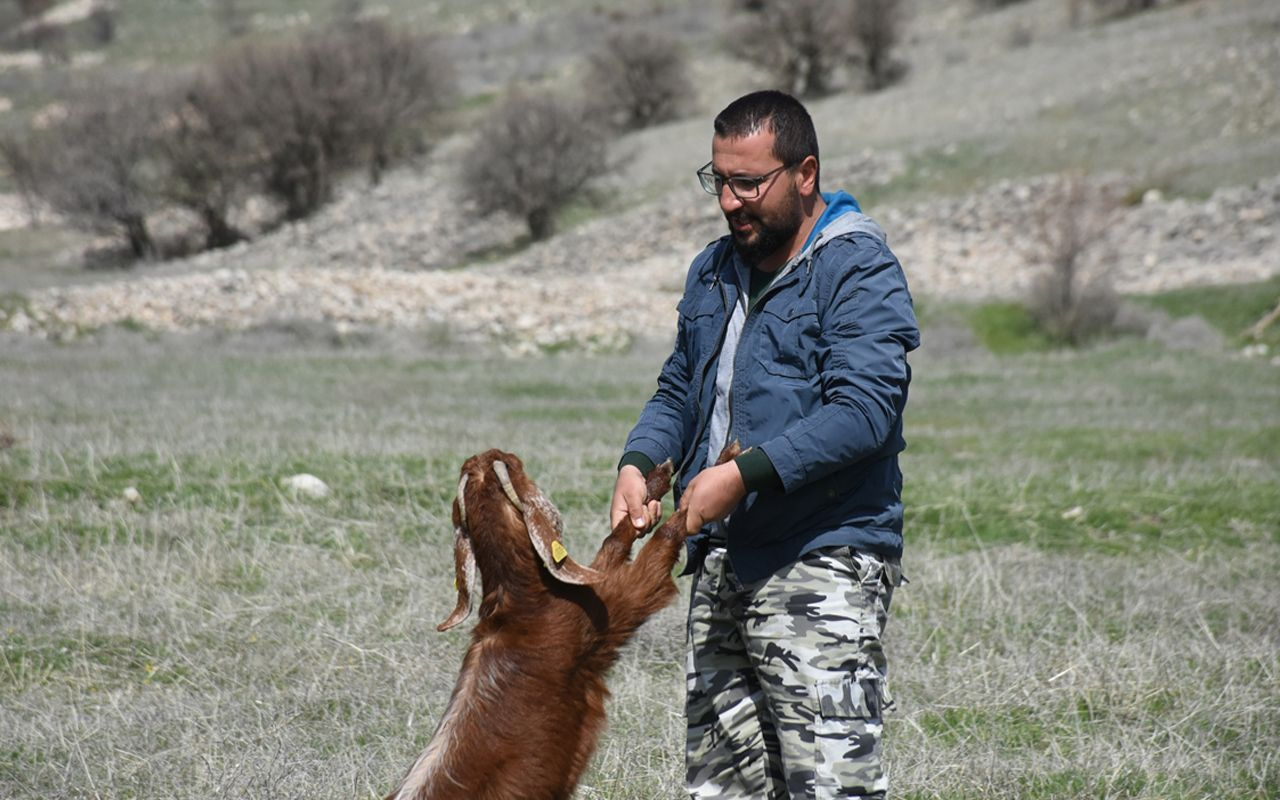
(103, 20)
(293, 102)
(638, 78)
(531, 155)
(98, 165)
(328, 101)
(800, 42)
(210, 158)
(401, 79)
(23, 156)
(1070, 302)
(51, 42)
(33, 8)
(876, 28)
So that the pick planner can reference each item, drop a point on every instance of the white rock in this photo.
(1073, 514)
(1258, 350)
(131, 495)
(306, 484)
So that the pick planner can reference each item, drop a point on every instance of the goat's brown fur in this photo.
(528, 707)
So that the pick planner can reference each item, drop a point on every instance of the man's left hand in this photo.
(711, 495)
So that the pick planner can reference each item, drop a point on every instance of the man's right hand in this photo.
(628, 501)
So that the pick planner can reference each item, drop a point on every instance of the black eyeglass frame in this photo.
(714, 184)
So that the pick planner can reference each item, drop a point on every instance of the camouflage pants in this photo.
(787, 678)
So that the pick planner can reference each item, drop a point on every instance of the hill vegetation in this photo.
(1092, 530)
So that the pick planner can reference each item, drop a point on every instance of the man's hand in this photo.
(628, 502)
(711, 495)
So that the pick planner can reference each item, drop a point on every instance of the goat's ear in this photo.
(464, 578)
(547, 540)
(464, 561)
(542, 520)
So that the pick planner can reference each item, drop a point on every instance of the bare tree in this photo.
(401, 80)
(531, 155)
(328, 101)
(22, 154)
(33, 8)
(800, 42)
(638, 78)
(877, 26)
(1067, 300)
(292, 101)
(211, 161)
(103, 20)
(805, 43)
(100, 168)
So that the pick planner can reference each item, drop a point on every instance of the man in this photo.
(792, 339)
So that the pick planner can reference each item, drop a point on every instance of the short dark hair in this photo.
(794, 136)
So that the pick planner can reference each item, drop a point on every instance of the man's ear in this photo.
(807, 176)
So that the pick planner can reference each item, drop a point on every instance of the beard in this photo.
(768, 232)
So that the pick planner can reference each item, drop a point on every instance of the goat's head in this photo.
(497, 514)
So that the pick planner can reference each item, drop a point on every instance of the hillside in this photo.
(1175, 111)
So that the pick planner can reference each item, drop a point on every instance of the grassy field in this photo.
(1093, 543)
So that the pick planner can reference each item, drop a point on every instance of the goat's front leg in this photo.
(639, 589)
(616, 548)
(651, 572)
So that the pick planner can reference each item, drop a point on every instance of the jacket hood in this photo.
(841, 217)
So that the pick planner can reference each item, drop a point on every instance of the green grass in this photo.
(1008, 328)
(1092, 544)
(1230, 309)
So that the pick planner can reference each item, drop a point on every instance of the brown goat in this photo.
(528, 706)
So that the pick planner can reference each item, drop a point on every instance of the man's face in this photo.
(769, 221)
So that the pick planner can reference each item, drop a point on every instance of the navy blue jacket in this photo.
(819, 384)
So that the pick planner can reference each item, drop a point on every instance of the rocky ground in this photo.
(388, 258)
(409, 254)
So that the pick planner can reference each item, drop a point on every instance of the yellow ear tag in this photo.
(558, 552)
(455, 584)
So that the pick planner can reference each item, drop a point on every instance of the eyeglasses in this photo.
(743, 187)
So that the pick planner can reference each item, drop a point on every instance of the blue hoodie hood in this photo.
(838, 203)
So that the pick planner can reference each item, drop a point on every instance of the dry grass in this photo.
(224, 639)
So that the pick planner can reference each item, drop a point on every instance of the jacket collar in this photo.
(843, 216)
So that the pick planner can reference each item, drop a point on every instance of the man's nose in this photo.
(729, 201)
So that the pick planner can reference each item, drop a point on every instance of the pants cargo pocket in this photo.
(847, 737)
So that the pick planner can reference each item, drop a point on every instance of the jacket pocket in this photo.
(698, 310)
(787, 339)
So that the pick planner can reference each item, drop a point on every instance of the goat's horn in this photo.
(504, 477)
(462, 499)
